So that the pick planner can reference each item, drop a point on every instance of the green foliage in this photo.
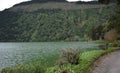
(115, 19)
(35, 67)
(86, 61)
(108, 1)
(103, 46)
(104, 1)
(70, 55)
(52, 70)
(115, 44)
(68, 58)
(88, 58)
(96, 32)
(51, 24)
(65, 69)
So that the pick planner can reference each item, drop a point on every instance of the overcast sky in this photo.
(9, 3)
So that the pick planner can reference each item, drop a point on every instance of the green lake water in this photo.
(12, 54)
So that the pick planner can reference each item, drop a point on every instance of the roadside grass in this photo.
(88, 58)
(86, 61)
(35, 67)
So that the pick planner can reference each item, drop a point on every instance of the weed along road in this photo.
(110, 64)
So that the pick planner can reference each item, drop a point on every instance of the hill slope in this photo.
(51, 21)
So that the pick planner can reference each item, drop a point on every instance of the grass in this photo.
(86, 61)
(88, 58)
(35, 67)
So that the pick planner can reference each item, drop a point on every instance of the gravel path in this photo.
(110, 64)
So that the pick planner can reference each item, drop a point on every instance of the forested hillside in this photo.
(42, 23)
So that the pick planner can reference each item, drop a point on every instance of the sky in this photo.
(4, 4)
(78, 0)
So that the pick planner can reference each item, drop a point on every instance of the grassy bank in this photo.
(86, 61)
(88, 58)
(35, 67)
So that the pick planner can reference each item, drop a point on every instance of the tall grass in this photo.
(35, 67)
(86, 61)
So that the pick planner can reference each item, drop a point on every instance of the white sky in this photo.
(78, 0)
(9, 3)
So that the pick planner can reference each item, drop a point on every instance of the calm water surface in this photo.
(18, 53)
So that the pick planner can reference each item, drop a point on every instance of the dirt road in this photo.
(109, 64)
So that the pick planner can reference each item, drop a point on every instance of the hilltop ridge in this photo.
(61, 1)
(53, 21)
(55, 4)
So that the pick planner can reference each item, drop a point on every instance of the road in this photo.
(109, 64)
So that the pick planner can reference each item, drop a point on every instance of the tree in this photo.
(107, 1)
(115, 19)
(104, 1)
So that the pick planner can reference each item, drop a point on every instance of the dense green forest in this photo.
(54, 24)
(114, 21)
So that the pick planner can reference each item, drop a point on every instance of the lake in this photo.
(12, 54)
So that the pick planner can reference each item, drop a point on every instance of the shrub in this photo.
(115, 44)
(103, 47)
(61, 62)
(68, 68)
(70, 56)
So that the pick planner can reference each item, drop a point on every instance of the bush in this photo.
(103, 47)
(70, 56)
(61, 62)
(115, 44)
